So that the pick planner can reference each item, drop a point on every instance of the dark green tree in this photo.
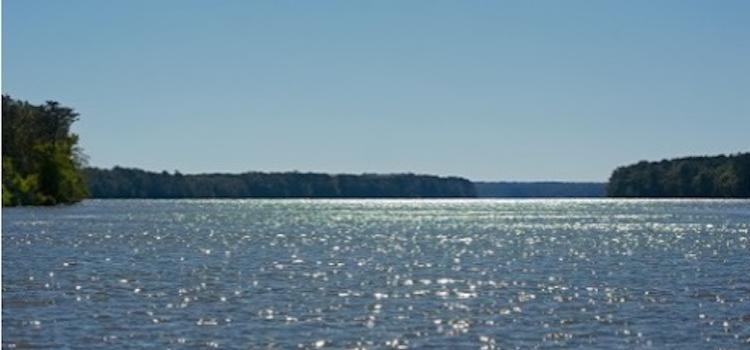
(41, 159)
(135, 183)
(717, 176)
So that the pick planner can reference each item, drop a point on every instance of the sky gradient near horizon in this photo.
(506, 90)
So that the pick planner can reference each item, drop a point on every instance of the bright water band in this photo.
(238, 274)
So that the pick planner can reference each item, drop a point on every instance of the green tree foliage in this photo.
(718, 176)
(41, 160)
(135, 183)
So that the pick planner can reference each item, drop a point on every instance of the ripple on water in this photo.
(378, 273)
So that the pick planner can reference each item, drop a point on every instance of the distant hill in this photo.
(135, 183)
(540, 189)
(708, 176)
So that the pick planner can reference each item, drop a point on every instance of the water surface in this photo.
(237, 274)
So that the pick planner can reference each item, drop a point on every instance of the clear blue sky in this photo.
(489, 90)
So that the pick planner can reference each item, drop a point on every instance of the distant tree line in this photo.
(41, 159)
(121, 182)
(540, 189)
(43, 165)
(717, 176)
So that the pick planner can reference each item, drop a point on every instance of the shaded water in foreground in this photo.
(377, 274)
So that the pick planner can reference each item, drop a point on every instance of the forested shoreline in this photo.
(41, 159)
(43, 165)
(121, 182)
(708, 176)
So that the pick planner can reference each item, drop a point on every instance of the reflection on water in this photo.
(377, 274)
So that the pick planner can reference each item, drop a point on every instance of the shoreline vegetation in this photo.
(43, 165)
(41, 159)
(693, 177)
(121, 182)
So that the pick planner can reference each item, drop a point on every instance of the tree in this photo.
(41, 158)
(718, 176)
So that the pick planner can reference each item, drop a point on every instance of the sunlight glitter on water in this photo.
(378, 273)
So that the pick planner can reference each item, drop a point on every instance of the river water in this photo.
(238, 274)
